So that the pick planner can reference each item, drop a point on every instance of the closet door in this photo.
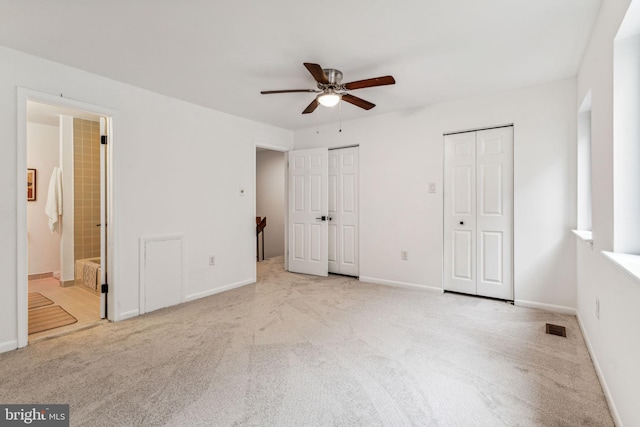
(460, 213)
(343, 211)
(494, 159)
(478, 213)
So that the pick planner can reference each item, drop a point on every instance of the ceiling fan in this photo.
(331, 89)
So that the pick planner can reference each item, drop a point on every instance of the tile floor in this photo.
(81, 303)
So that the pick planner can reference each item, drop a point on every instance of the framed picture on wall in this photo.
(31, 185)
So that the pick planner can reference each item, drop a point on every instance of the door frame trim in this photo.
(22, 269)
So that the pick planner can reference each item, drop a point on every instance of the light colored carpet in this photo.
(44, 319)
(37, 300)
(294, 350)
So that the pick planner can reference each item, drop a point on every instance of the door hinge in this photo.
(104, 288)
(103, 139)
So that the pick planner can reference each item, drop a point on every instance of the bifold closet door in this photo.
(460, 213)
(343, 211)
(478, 213)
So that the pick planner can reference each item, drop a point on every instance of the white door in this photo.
(460, 213)
(478, 213)
(308, 211)
(343, 211)
(494, 154)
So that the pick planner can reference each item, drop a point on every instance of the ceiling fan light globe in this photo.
(329, 99)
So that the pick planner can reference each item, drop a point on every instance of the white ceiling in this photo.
(222, 53)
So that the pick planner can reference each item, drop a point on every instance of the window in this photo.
(626, 134)
(626, 144)
(584, 166)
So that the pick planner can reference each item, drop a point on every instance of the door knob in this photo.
(461, 222)
(323, 218)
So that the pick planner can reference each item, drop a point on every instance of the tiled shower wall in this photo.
(86, 188)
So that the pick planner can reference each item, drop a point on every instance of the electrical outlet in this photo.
(597, 307)
(212, 260)
(404, 255)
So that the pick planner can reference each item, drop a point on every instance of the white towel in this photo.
(54, 199)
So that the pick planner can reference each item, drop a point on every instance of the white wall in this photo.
(43, 154)
(401, 153)
(270, 199)
(177, 169)
(613, 338)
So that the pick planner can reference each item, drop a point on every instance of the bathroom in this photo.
(64, 203)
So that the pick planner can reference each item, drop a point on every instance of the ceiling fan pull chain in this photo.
(340, 116)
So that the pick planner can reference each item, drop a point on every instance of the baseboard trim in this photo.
(400, 284)
(38, 276)
(603, 383)
(128, 315)
(210, 292)
(548, 307)
(67, 283)
(8, 346)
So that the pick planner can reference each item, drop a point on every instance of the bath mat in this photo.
(36, 300)
(47, 318)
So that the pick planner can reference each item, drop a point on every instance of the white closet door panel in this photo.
(308, 202)
(333, 246)
(348, 199)
(462, 250)
(463, 186)
(334, 232)
(343, 165)
(333, 212)
(491, 184)
(349, 245)
(491, 256)
(495, 212)
(460, 213)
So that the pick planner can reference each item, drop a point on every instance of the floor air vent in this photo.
(558, 330)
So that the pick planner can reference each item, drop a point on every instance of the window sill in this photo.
(584, 235)
(629, 264)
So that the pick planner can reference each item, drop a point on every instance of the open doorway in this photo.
(62, 227)
(271, 199)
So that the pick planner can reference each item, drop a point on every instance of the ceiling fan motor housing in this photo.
(334, 77)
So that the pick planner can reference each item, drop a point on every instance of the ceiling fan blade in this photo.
(358, 102)
(268, 92)
(311, 107)
(317, 72)
(377, 81)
